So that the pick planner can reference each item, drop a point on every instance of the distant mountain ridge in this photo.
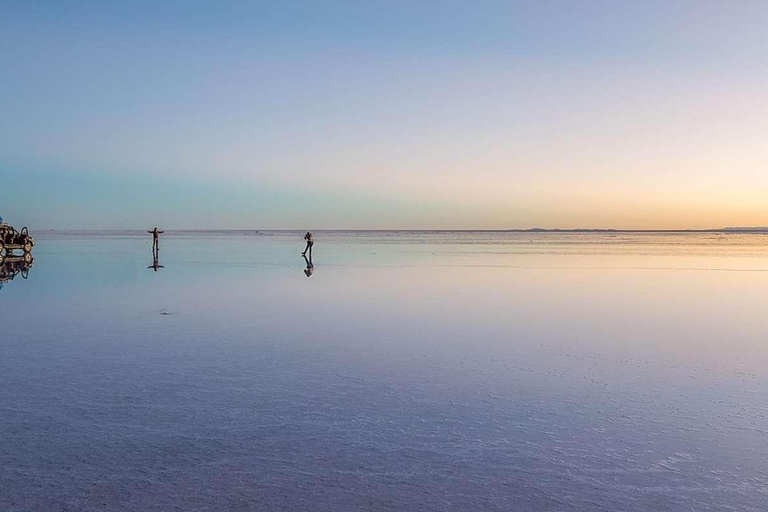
(747, 229)
(756, 229)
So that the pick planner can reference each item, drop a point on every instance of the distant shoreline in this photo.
(756, 230)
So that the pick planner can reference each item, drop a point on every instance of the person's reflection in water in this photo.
(310, 267)
(155, 260)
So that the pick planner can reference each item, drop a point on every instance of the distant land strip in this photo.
(728, 230)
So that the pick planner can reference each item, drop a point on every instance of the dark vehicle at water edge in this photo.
(12, 240)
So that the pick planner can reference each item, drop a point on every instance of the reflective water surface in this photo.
(395, 371)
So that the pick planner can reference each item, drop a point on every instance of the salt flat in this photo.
(409, 371)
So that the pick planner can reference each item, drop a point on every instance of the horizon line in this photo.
(757, 230)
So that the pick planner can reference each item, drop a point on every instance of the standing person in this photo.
(155, 239)
(310, 238)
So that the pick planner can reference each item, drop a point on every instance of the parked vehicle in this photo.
(11, 240)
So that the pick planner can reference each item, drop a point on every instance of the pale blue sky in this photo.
(384, 114)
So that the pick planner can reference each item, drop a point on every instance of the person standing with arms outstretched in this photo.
(155, 239)
(310, 238)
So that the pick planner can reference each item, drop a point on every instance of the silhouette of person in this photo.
(310, 267)
(310, 238)
(156, 260)
(155, 239)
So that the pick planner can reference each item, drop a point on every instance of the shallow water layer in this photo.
(403, 371)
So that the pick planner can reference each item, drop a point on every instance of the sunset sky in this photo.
(389, 114)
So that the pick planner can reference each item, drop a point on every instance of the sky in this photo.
(384, 115)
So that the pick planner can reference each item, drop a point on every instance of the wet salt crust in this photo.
(410, 371)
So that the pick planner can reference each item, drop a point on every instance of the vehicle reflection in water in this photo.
(12, 266)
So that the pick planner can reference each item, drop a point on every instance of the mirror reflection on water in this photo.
(429, 371)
